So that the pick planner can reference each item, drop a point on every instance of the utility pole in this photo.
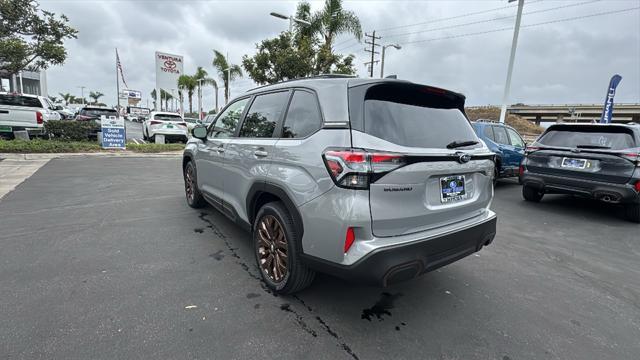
(373, 51)
(514, 44)
(117, 86)
(82, 93)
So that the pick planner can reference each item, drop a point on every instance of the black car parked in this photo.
(93, 114)
(599, 161)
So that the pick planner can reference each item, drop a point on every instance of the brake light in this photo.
(634, 158)
(39, 119)
(155, 122)
(637, 186)
(521, 170)
(83, 118)
(530, 149)
(351, 168)
(182, 124)
(349, 239)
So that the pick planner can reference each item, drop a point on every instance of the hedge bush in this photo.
(71, 130)
(47, 146)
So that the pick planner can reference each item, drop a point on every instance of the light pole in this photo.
(384, 47)
(514, 44)
(291, 20)
(82, 93)
(200, 99)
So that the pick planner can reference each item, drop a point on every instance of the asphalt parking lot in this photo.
(101, 258)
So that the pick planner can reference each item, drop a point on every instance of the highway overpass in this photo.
(622, 113)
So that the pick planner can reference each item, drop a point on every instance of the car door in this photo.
(509, 153)
(518, 146)
(248, 156)
(210, 156)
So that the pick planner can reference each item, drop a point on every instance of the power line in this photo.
(455, 17)
(431, 22)
(523, 26)
(493, 19)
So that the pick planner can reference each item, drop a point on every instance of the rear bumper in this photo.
(610, 192)
(388, 265)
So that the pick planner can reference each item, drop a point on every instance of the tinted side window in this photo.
(17, 100)
(225, 125)
(516, 140)
(488, 132)
(303, 116)
(263, 115)
(500, 135)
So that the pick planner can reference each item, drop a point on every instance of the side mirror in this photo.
(200, 132)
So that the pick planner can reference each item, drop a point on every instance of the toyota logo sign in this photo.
(170, 64)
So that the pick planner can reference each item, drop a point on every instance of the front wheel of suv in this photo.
(531, 194)
(276, 249)
(633, 212)
(194, 197)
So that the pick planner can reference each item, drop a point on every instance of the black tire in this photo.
(144, 135)
(495, 175)
(632, 212)
(193, 195)
(531, 194)
(297, 276)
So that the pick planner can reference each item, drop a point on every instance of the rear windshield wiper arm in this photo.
(456, 144)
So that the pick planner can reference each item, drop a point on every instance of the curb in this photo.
(49, 156)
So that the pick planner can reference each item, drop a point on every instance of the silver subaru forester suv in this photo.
(371, 180)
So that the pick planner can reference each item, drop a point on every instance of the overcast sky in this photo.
(560, 62)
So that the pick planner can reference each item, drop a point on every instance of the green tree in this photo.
(53, 99)
(31, 38)
(308, 50)
(202, 79)
(187, 83)
(163, 96)
(66, 97)
(227, 72)
(95, 96)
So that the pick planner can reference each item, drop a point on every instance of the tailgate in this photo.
(17, 117)
(593, 166)
(430, 194)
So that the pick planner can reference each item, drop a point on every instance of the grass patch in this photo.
(154, 148)
(58, 146)
(47, 146)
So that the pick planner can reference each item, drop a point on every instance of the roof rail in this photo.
(486, 120)
(321, 76)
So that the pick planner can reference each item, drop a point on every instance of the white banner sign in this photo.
(168, 69)
(130, 94)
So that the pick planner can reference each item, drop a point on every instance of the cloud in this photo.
(564, 62)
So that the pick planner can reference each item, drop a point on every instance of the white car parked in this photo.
(169, 124)
(25, 112)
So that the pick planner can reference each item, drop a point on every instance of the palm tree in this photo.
(330, 22)
(163, 96)
(66, 97)
(202, 78)
(95, 96)
(227, 72)
(187, 83)
(53, 99)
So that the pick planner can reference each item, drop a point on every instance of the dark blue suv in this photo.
(506, 142)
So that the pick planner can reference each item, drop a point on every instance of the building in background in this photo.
(33, 82)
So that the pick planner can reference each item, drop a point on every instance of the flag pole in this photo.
(117, 84)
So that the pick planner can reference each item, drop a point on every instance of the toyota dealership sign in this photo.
(168, 69)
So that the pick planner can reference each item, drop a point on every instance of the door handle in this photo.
(260, 153)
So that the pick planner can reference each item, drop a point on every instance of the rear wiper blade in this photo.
(592, 147)
(456, 144)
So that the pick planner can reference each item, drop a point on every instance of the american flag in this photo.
(119, 65)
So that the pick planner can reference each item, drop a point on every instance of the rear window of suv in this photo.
(415, 116)
(17, 100)
(613, 137)
(98, 112)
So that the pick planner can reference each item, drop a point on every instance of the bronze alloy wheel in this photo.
(272, 248)
(189, 184)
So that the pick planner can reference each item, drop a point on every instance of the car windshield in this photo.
(614, 138)
(98, 112)
(408, 117)
(17, 100)
(191, 120)
(167, 117)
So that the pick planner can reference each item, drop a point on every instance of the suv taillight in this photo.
(353, 168)
(155, 122)
(39, 119)
(634, 158)
(530, 149)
